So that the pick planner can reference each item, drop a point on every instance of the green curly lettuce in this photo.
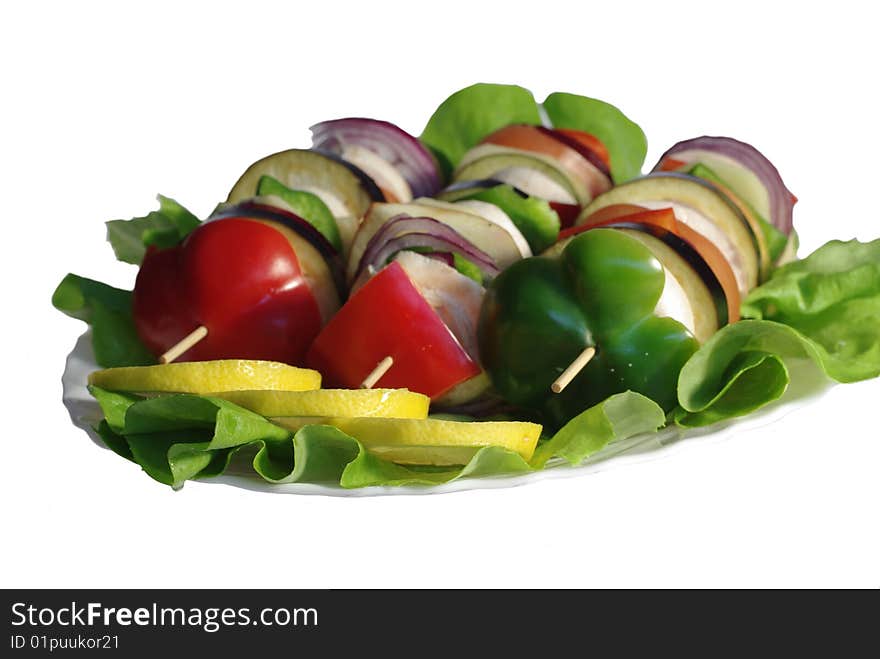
(625, 140)
(180, 437)
(108, 311)
(165, 227)
(825, 308)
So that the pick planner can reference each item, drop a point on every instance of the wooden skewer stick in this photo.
(380, 370)
(573, 369)
(184, 344)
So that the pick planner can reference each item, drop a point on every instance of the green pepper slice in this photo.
(601, 291)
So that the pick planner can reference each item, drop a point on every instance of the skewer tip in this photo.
(183, 345)
(377, 373)
(570, 373)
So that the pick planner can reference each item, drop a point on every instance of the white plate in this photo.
(807, 384)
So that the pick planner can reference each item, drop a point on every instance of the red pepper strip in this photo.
(541, 141)
(388, 317)
(671, 165)
(615, 212)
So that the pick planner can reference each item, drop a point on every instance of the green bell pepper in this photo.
(601, 291)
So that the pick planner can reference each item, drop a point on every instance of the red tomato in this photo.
(608, 214)
(567, 213)
(591, 142)
(388, 317)
(238, 277)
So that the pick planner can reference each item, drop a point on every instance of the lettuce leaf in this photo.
(825, 308)
(466, 117)
(180, 437)
(836, 273)
(470, 114)
(619, 417)
(108, 311)
(626, 142)
(165, 227)
(368, 469)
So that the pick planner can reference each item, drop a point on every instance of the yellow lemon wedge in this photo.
(430, 441)
(391, 403)
(204, 377)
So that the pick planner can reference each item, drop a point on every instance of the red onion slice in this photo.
(781, 199)
(403, 232)
(403, 151)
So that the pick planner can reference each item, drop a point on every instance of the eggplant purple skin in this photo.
(366, 181)
(402, 151)
(432, 233)
(781, 204)
(709, 186)
(479, 184)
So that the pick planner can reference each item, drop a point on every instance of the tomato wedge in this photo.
(568, 213)
(616, 212)
(389, 317)
(588, 141)
(541, 140)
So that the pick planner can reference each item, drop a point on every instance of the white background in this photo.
(104, 106)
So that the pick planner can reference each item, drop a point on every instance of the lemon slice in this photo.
(203, 377)
(396, 403)
(430, 441)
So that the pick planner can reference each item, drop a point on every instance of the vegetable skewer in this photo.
(350, 257)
